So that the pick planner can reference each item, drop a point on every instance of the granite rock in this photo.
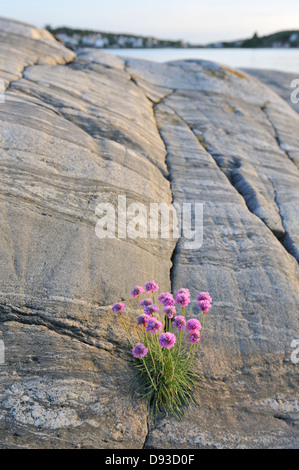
(81, 129)
(283, 83)
(72, 136)
(220, 128)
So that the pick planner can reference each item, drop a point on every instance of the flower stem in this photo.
(179, 348)
(193, 352)
(126, 328)
(149, 374)
(149, 348)
(168, 323)
(203, 320)
(139, 304)
(180, 342)
(172, 365)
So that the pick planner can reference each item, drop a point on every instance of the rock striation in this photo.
(81, 129)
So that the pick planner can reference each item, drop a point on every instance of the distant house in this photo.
(151, 42)
(94, 40)
(101, 42)
(281, 44)
(218, 45)
(122, 41)
(294, 37)
(129, 41)
(74, 40)
(69, 40)
(137, 42)
(63, 37)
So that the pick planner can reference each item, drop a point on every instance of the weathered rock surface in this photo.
(57, 276)
(280, 82)
(77, 131)
(220, 130)
(22, 45)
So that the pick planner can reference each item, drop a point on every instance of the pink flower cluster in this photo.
(146, 302)
(137, 291)
(139, 350)
(192, 325)
(170, 311)
(143, 319)
(152, 325)
(179, 322)
(118, 307)
(151, 309)
(204, 302)
(166, 299)
(151, 287)
(183, 297)
(167, 340)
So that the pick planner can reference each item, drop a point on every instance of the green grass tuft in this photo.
(165, 380)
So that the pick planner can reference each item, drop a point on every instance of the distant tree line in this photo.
(283, 38)
(73, 38)
(113, 39)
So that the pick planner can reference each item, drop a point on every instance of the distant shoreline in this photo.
(73, 38)
(280, 60)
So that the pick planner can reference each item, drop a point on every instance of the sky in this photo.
(197, 21)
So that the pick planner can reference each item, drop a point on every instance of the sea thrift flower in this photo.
(118, 307)
(204, 296)
(170, 311)
(146, 302)
(182, 299)
(166, 299)
(153, 325)
(167, 340)
(151, 309)
(183, 291)
(137, 291)
(139, 350)
(194, 337)
(143, 319)
(193, 324)
(204, 305)
(151, 286)
(180, 322)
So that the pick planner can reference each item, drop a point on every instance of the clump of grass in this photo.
(170, 386)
